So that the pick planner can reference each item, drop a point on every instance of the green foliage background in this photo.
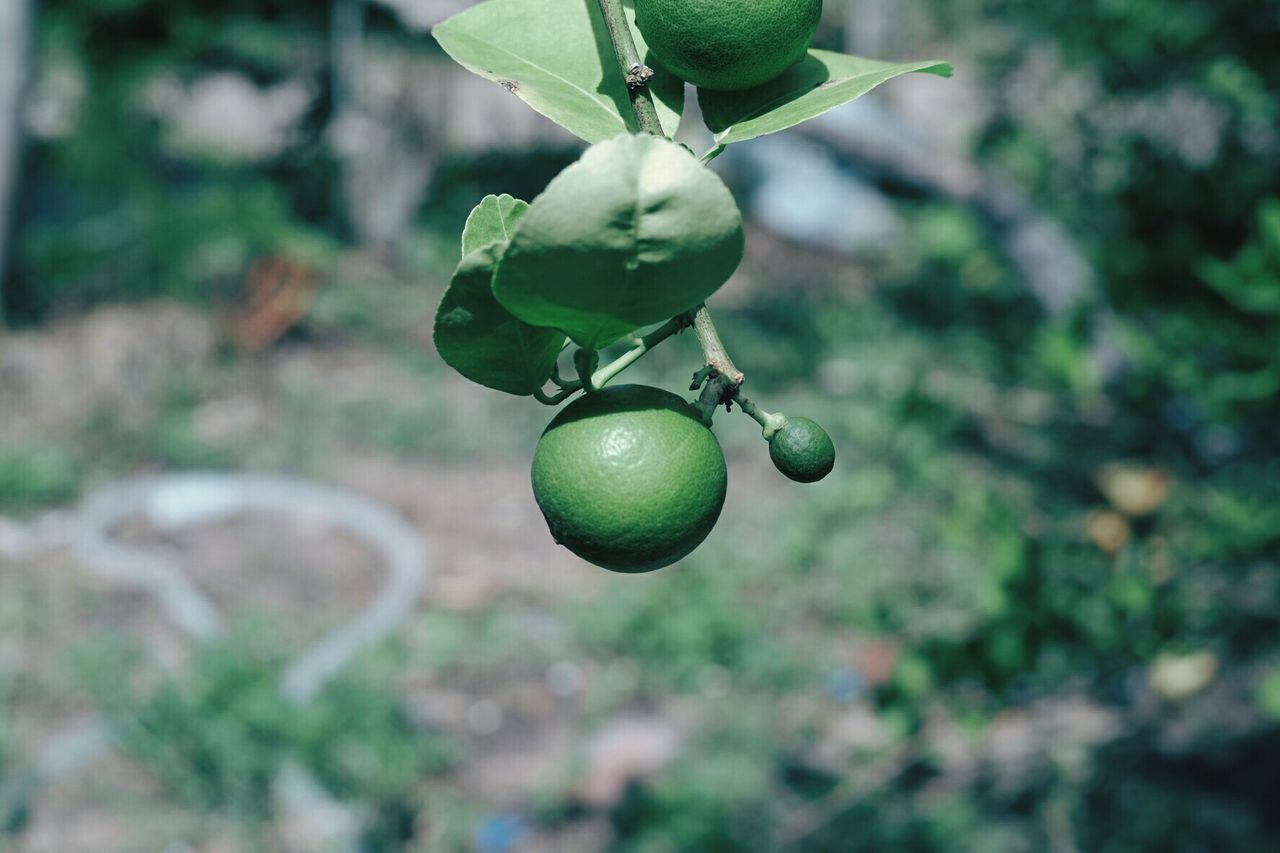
(969, 429)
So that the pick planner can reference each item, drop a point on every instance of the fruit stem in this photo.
(562, 383)
(637, 74)
(713, 394)
(701, 376)
(606, 374)
(586, 361)
(770, 421)
(583, 359)
(557, 398)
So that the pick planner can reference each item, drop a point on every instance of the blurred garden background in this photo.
(1035, 607)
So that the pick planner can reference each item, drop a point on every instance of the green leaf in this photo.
(493, 220)
(1251, 280)
(635, 232)
(816, 84)
(478, 338)
(1268, 695)
(556, 56)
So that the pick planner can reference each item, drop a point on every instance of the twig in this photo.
(713, 348)
(560, 396)
(769, 422)
(560, 382)
(637, 74)
(607, 373)
(717, 392)
(728, 376)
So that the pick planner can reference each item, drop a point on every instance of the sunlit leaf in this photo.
(817, 84)
(493, 220)
(557, 57)
(635, 232)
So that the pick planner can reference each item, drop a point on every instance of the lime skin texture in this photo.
(728, 45)
(803, 451)
(629, 478)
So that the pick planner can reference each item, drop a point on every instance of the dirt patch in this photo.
(298, 573)
(485, 535)
(55, 378)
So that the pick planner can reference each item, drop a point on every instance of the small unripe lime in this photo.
(728, 45)
(629, 478)
(803, 451)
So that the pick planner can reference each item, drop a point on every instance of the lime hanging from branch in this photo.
(728, 45)
(802, 451)
(628, 478)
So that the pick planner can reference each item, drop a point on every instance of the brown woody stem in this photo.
(713, 348)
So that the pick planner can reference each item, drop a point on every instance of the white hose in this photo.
(174, 502)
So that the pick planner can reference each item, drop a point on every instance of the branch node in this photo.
(638, 76)
(701, 376)
(635, 73)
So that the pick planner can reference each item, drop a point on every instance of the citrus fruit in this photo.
(629, 478)
(803, 451)
(728, 45)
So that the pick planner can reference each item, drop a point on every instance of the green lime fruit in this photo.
(629, 478)
(803, 451)
(728, 45)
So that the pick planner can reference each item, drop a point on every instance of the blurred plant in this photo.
(159, 431)
(1268, 694)
(14, 809)
(1150, 130)
(219, 734)
(674, 630)
(720, 801)
(110, 208)
(32, 476)
(5, 733)
(217, 737)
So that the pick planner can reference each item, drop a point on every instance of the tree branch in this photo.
(713, 348)
(637, 74)
(727, 377)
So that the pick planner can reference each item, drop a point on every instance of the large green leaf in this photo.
(473, 333)
(635, 232)
(493, 220)
(557, 57)
(817, 84)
